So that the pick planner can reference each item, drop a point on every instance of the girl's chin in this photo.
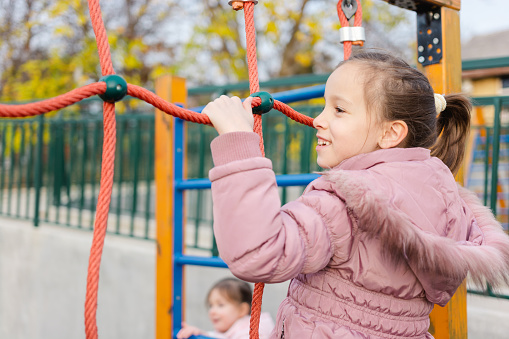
(326, 165)
(219, 329)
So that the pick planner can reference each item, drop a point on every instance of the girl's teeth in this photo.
(323, 143)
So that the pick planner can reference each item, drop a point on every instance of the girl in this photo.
(229, 303)
(380, 237)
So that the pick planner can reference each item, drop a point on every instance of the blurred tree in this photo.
(293, 37)
(48, 47)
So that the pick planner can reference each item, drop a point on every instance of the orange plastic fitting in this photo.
(239, 4)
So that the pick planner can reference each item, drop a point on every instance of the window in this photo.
(505, 81)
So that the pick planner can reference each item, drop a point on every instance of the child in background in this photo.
(385, 233)
(229, 304)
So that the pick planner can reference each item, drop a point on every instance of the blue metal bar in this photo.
(283, 180)
(293, 95)
(175, 331)
(178, 223)
(199, 261)
(190, 184)
(300, 94)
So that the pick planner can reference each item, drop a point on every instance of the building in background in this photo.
(486, 64)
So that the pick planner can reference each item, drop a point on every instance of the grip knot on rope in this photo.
(266, 105)
(116, 88)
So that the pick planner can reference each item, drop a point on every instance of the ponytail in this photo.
(453, 125)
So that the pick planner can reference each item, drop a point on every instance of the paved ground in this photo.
(488, 318)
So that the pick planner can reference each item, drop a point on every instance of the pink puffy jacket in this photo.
(370, 246)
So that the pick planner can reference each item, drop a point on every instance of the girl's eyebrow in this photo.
(338, 97)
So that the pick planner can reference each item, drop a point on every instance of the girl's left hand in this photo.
(187, 331)
(230, 114)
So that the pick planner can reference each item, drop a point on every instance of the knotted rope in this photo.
(254, 86)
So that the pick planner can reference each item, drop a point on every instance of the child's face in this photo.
(223, 312)
(345, 128)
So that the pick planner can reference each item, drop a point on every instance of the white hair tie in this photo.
(440, 103)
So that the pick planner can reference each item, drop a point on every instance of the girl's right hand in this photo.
(186, 331)
(230, 114)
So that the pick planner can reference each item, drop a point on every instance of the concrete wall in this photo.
(43, 274)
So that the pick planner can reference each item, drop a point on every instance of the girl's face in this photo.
(223, 312)
(345, 128)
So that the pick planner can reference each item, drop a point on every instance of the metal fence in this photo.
(50, 172)
(487, 163)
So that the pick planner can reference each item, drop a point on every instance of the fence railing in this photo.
(50, 172)
(487, 163)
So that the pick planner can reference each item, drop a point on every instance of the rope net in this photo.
(109, 142)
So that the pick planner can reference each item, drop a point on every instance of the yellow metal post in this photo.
(450, 321)
(172, 89)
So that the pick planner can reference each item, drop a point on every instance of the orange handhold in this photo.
(238, 5)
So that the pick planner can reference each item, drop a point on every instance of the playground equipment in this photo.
(439, 54)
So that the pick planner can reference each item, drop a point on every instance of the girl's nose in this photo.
(319, 121)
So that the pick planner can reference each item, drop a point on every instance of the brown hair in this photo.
(399, 92)
(233, 289)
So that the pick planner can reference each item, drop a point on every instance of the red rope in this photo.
(107, 171)
(103, 47)
(103, 205)
(293, 114)
(53, 104)
(254, 86)
(347, 45)
(165, 106)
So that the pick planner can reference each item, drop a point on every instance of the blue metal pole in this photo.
(293, 95)
(178, 224)
(199, 261)
(283, 180)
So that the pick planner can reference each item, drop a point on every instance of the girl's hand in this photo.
(186, 331)
(230, 114)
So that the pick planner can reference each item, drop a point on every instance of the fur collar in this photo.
(424, 251)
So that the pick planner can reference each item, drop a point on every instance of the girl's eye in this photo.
(339, 109)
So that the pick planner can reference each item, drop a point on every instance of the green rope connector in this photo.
(116, 88)
(266, 105)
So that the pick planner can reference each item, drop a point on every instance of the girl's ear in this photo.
(394, 134)
(244, 309)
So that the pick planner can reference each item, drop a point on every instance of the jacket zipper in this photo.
(283, 330)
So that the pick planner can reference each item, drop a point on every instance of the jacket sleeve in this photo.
(259, 240)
